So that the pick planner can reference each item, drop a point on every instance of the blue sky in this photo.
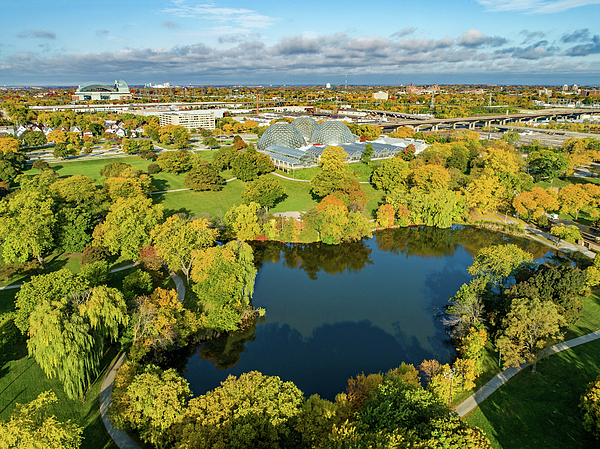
(303, 42)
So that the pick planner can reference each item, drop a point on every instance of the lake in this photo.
(335, 311)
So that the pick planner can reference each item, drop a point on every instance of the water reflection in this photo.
(365, 307)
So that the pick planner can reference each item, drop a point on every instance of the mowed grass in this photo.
(541, 410)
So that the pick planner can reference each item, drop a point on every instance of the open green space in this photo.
(540, 410)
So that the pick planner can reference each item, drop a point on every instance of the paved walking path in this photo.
(289, 179)
(500, 379)
(120, 438)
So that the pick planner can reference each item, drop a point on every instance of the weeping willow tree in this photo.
(66, 337)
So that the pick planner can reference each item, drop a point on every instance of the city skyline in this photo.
(230, 42)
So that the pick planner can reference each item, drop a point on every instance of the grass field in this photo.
(540, 410)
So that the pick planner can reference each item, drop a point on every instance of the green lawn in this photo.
(540, 410)
(53, 262)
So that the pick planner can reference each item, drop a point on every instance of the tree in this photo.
(210, 142)
(244, 166)
(177, 239)
(590, 408)
(9, 145)
(573, 198)
(204, 177)
(385, 216)
(44, 288)
(535, 203)
(439, 208)
(26, 224)
(253, 410)
(40, 165)
(265, 191)
(96, 128)
(62, 151)
(545, 164)
(176, 161)
(567, 233)
(529, 326)
(242, 221)
(66, 336)
(391, 174)
(498, 262)
(333, 159)
(466, 307)
(127, 226)
(511, 138)
(486, 193)
(130, 146)
(34, 138)
(224, 283)
(11, 164)
(431, 177)
(32, 426)
(367, 153)
(57, 136)
(155, 400)
(328, 182)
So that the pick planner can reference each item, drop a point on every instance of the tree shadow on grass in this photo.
(160, 184)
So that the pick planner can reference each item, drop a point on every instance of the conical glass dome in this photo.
(332, 132)
(306, 126)
(283, 134)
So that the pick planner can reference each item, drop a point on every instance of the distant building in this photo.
(545, 92)
(158, 86)
(381, 95)
(99, 92)
(204, 119)
(593, 93)
(328, 86)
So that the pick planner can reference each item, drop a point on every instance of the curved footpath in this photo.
(500, 379)
(120, 437)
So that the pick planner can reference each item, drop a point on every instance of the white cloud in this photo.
(475, 38)
(535, 6)
(241, 16)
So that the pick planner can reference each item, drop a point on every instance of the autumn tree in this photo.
(178, 239)
(590, 408)
(535, 203)
(568, 233)
(242, 221)
(265, 411)
(9, 145)
(176, 161)
(32, 426)
(486, 193)
(573, 198)
(530, 326)
(393, 173)
(127, 226)
(204, 177)
(385, 215)
(333, 159)
(265, 191)
(153, 402)
(498, 262)
(430, 177)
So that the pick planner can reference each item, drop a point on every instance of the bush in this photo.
(96, 273)
(153, 169)
(137, 283)
(590, 407)
(40, 165)
(114, 169)
(93, 254)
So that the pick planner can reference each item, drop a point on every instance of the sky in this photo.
(308, 42)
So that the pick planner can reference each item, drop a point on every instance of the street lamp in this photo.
(451, 374)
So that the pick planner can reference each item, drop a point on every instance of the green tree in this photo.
(210, 142)
(250, 411)
(530, 326)
(367, 153)
(511, 138)
(224, 283)
(244, 166)
(177, 239)
(264, 191)
(127, 226)
(32, 426)
(328, 182)
(204, 177)
(11, 164)
(242, 221)
(498, 262)
(391, 174)
(567, 233)
(546, 164)
(66, 336)
(96, 128)
(34, 138)
(155, 400)
(130, 146)
(44, 288)
(27, 222)
(176, 161)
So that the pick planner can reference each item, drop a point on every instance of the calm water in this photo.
(336, 311)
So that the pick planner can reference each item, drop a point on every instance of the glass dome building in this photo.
(332, 132)
(306, 126)
(281, 134)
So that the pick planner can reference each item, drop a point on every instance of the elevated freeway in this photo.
(421, 123)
